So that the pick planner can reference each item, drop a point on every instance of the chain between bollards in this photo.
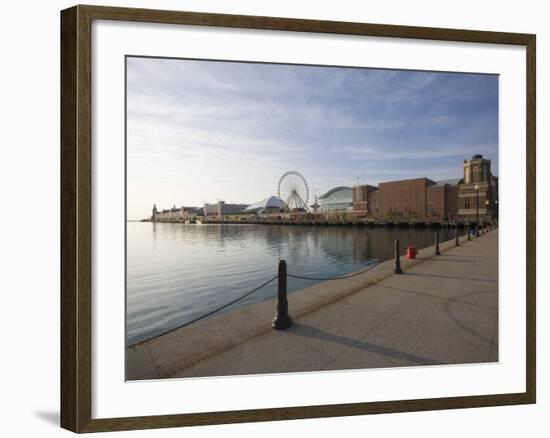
(397, 269)
(282, 320)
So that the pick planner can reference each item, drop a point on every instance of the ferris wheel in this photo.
(294, 191)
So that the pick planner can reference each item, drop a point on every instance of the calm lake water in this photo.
(177, 272)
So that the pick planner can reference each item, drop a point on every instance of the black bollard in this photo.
(468, 230)
(456, 236)
(397, 269)
(437, 244)
(477, 229)
(282, 320)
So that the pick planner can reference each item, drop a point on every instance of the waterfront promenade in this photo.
(441, 310)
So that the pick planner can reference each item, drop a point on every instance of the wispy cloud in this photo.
(370, 153)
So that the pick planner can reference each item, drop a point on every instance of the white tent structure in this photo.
(273, 204)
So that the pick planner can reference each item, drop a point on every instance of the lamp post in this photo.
(477, 210)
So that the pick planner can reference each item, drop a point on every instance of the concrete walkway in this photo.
(441, 310)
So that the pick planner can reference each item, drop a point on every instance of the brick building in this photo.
(410, 199)
(478, 192)
(442, 200)
(406, 199)
(363, 197)
(473, 196)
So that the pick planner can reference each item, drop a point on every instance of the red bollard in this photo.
(411, 252)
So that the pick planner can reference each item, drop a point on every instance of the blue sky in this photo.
(199, 131)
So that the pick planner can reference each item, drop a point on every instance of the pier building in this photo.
(409, 199)
(472, 197)
(174, 213)
(273, 204)
(478, 192)
(220, 209)
(336, 199)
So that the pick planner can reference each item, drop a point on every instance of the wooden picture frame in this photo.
(76, 217)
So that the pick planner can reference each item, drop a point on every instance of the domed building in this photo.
(337, 199)
(273, 204)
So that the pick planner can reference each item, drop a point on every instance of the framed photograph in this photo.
(270, 218)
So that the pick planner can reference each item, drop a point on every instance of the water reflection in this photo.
(176, 272)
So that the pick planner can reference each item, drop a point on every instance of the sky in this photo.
(202, 131)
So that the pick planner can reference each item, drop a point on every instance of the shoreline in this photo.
(361, 224)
